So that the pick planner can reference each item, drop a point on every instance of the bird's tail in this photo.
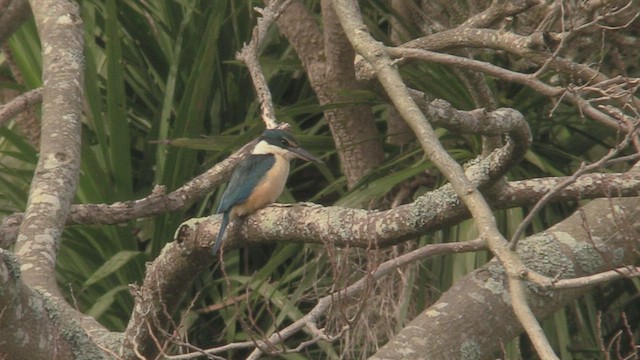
(223, 227)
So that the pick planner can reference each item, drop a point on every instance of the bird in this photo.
(259, 179)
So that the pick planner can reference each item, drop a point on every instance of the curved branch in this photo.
(531, 47)
(249, 55)
(165, 284)
(503, 121)
(19, 104)
(170, 275)
(30, 321)
(512, 76)
(156, 203)
(567, 250)
(55, 179)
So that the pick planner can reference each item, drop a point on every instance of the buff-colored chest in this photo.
(267, 190)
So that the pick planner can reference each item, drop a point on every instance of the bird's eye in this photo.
(284, 142)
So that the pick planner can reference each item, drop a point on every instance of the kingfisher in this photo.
(259, 180)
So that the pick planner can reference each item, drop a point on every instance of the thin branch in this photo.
(512, 76)
(19, 104)
(249, 55)
(307, 322)
(388, 75)
(584, 281)
(156, 203)
(498, 10)
(520, 306)
(531, 48)
(548, 196)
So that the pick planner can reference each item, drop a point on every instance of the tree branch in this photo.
(498, 10)
(19, 104)
(375, 53)
(249, 55)
(328, 61)
(564, 251)
(55, 179)
(512, 76)
(31, 322)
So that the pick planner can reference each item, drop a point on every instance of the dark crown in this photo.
(279, 138)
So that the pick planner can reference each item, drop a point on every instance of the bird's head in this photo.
(274, 141)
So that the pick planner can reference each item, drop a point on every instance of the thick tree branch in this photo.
(498, 10)
(566, 251)
(307, 223)
(55, 180)
(35, 323)
(375, 53)
(156, 203)
(310, 223)
(328, 60)
(162, 290)
(512, 194)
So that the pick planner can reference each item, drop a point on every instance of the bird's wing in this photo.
(244, 179)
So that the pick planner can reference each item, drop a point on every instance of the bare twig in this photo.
(156, 203)
(623, 272)
(376, 54)
(19, 104)
(548, 196)
(512, 76)
(249, 55)
(307, 322)
(498, 10)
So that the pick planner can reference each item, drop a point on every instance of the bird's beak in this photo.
(304, 155)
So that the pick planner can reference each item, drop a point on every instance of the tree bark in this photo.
(474, 317)
(328, 59)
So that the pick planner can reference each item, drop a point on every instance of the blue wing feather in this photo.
(244, 179)
(246, 176)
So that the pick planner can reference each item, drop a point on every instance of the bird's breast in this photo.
(267, 190)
